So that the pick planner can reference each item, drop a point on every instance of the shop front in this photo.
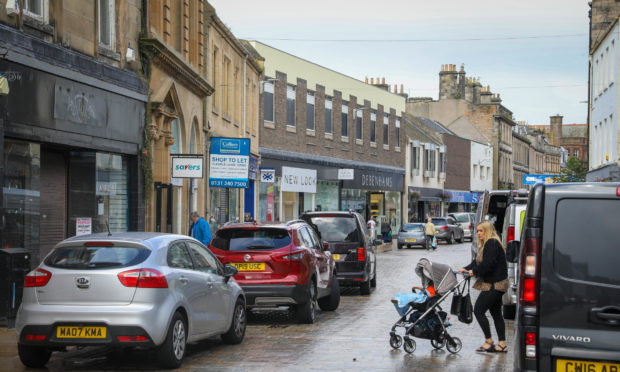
(424, 202)
(462, 201)
(70, 154)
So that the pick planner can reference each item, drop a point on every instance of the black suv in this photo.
(568, 314)
(350, 244)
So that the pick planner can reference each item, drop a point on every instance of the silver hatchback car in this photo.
(128, 289)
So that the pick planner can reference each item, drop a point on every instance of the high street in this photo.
(353, 338)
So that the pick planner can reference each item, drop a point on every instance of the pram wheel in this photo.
(396, 341)
(439, 343)
(409, 345)
(456, 347)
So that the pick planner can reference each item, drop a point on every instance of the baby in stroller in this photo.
(420, 313)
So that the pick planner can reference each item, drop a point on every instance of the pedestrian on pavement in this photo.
(429, 231)
(199, 229)
(491, 270)
(385, 230)
(372, 226)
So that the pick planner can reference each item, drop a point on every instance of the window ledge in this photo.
(269, 124)
(344, 139)
(373, 144)
(310, 132)
(37, 24)
(106, 51)
(291, 129)
(386, 147)
(397, 149)
(359, 142)
(329, 136)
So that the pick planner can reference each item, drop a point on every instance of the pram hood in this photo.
(442, 276)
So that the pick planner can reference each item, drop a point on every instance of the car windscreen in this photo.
(439, 222)
(96, 257)
(413, 227)
(586, 232)
(460, 217)
(336, 228)
(251, 239)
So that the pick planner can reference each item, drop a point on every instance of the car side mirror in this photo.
(512, 251)
(230, 271)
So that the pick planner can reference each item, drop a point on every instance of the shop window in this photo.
(268, 201)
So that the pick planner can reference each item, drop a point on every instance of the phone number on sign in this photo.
(224, 183)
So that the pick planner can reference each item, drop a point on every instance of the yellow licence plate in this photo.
(410, 240)
(336, 257)
(250, 266)
(81, 332)
(564, 365)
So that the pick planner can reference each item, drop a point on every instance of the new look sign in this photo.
(187, 166)
(229, 162)
(298, 180)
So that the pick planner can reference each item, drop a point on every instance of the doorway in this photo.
(53, 201)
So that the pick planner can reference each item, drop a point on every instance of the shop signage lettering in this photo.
(187, 166)
(267, 175)
(298, 180)
(376, 181)
(106, 188)
(83, 226)
(229, 162)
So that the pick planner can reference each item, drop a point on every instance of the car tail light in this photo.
(444, 227)
(361, 254)
(34, 337)
(143, 278)
(37, 278)
(470, 226)
(618, 191)
(511, 234)
(530, 344)
(132, 338)
(529, 271)
(291, 256)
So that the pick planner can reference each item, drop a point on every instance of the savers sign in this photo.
(187, 166)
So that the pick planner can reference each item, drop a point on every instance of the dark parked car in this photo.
(350, 244)
(447, 229)
(466, 221)
(280, 264)
(568, 315)
(411, 235)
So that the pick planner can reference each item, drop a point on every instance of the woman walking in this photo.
(492, 273)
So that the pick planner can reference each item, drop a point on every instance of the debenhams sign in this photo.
(375, 181)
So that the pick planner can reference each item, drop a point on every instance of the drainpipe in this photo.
(245, 64)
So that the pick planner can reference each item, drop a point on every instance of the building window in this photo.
(442, 162)
(268, 101)
(429, 160)
(290, 105)
(415, 157)
(328, 115)
(227, 85)
(37, 9)
(344, 119)
(310, 111)
(386, 122)
(373, 126)
(397, 133)
(358, 123)
(107, 23)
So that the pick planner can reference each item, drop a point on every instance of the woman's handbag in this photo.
(434, 244)
(466, 309)
(457, 300)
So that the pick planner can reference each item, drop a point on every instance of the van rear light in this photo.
(510, 234)
(529, 272)
(143, 278)
(530, 338)
(529, 290)
(37, 278)
(361, 254)
(530, 344)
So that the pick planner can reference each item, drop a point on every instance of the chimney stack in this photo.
(556, 129)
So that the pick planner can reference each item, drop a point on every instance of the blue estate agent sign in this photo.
(532, 179)
(229, 161)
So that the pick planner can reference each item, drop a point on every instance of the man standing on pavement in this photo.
(429, 231)
(199, 229)
(372, 225)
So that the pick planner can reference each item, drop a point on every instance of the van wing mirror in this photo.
(512, 251)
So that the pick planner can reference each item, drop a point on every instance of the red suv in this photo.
(280, 264)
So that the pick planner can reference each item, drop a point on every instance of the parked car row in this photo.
(447, 229)
(163, 291)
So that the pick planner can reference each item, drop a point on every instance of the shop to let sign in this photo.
(229, 162)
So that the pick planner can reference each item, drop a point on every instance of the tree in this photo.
(575, 171)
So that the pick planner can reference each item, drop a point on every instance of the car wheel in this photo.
(451, 241)
(400, 246)
(172, 351)
(365, 288)
(509, 311)
(306, 312)
(461, 239)
(33, 356)
(236, 332)
(331, 302)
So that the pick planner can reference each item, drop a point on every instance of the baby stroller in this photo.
(422, 317)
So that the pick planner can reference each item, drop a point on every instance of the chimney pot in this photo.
(383, 81)
(401, 89)
(366, 79)
(372, 81)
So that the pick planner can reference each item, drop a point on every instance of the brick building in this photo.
(572, 137)
(316, 122)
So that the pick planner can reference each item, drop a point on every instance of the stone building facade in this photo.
(72, 124)
(572, 137)
(316, 122)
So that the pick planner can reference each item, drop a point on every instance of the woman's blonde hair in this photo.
(489, 233)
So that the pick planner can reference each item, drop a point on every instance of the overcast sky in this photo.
(534, 53)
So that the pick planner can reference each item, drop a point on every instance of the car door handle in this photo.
(609, 315)
(209, 284)
(183, 280)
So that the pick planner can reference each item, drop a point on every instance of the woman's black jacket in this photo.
(493, 267)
